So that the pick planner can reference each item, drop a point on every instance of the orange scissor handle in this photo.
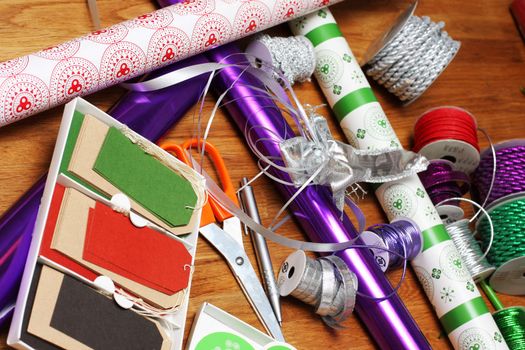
(221, 214)
(207, 216)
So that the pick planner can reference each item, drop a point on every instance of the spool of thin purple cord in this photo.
(443, 182)
(510, 172)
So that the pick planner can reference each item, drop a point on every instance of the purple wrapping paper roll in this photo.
(150, 114)
(18, 222)
(8, 295)
(388, 321)
(6, 317)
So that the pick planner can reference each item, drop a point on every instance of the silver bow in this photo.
(324, 161)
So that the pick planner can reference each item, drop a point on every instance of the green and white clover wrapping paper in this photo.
(440, 269)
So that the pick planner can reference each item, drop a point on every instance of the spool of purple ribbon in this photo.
(443, 182)
(402, 237)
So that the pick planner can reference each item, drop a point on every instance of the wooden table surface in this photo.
(485, 78)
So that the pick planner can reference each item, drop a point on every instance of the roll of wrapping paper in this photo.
(444, 277)
(388, 321)
(106, 57)
(150, 114)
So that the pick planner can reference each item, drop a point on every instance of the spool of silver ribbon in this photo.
(325, 283)
(294, 56)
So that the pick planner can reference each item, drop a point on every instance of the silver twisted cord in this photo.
(416, 56)
(470, 250)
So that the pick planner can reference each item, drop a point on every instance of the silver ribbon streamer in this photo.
(339, 165)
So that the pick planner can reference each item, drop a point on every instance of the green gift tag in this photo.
(278, 346)
(150, 183)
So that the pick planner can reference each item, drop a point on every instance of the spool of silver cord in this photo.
(413, 59)
(470, 250)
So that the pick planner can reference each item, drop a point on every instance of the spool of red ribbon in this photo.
(448, 133)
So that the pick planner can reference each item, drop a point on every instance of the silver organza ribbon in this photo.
(320, 159)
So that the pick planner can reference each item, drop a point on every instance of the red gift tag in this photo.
(54, 255)
(144, 255)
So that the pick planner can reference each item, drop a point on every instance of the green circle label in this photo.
(223, 341)
(279, 347)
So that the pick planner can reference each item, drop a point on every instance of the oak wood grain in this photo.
(485, 78)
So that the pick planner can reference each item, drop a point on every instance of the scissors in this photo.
(228, 239)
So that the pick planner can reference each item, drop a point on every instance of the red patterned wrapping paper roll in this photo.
(53, 76)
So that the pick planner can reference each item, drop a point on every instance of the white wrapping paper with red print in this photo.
(53, 76)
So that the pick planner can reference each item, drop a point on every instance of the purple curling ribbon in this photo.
(443, 182)
(388, 320)
(150, 114)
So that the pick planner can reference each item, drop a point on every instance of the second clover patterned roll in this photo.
(443, 275)
(344, 83)
(53, 76)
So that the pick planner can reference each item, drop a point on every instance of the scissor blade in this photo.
(245, 274)
(232, 226)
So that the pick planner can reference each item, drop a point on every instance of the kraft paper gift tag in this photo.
(72, 315)
(63, 243)
(88, 145)
(140, 254)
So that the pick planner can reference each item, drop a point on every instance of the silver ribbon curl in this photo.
(319, 159)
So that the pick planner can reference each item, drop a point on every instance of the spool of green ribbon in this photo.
(508, 248)
(511, 322)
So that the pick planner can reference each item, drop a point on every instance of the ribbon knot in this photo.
(318, 159)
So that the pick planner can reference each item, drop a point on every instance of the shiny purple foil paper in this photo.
(150, 114)
(388, 322)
